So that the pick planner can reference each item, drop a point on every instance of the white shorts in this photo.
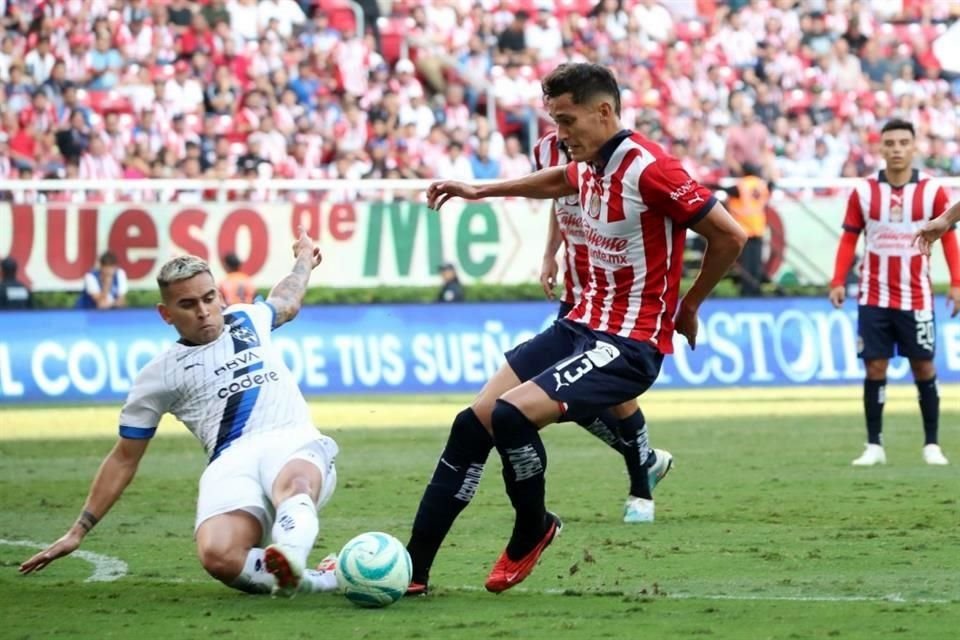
(241, 479)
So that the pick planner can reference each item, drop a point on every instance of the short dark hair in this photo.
(898, 124)
(8, 267)
(231, 262)
(108, 258)
(582, 81)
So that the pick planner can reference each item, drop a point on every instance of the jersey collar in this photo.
(914, 177)
(607, 149)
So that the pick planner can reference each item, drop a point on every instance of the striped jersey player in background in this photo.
(895, 294)
(645, 466)
(270, 470)
(637, 203)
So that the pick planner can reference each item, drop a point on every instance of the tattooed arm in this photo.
(116, 472)
(287, 295)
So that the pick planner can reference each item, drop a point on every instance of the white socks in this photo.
(255, 579)
(297, 526)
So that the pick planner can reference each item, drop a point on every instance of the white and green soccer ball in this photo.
(373, 569)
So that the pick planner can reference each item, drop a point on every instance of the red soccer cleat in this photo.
(416, 589)
(508, 573)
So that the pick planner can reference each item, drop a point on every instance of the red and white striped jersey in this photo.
(894, 274)
(637, 203)
(576, 263)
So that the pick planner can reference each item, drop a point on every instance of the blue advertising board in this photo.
(93, 356)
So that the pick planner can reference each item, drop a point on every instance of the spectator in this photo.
(106, 287)
(13, 293)
(237, 287)
(514, 164)
(455, 165)
(451, 290)
(484, 167)
(74, 140)
(746, 142)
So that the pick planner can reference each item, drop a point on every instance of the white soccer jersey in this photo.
(234, 386)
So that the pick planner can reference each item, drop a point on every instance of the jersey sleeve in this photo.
(573, 176)
(122, 285)
(941, 202)
(91, 284)
(148, 400)
(262, 313)
(853, 220)
(667, 188)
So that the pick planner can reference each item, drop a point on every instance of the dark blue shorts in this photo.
(880, 329)
(565, 308)
(586, 371)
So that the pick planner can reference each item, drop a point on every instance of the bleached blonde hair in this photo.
(181, 268)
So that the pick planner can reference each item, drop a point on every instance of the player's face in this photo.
(194, 308)
(583, 128)
(897, 148)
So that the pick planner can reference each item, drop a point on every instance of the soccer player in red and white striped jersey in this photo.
(637, 203)
(645, 466)
(895, 297)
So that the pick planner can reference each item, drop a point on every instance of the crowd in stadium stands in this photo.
(107, 89)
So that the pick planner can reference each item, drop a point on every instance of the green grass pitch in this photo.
(763, 530)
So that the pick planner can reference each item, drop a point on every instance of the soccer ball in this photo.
(374, 569)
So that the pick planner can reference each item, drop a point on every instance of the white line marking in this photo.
(105, 568)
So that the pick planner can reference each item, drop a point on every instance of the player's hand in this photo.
(686, 323)
(929, 233)
(439, 192)
(953, 301)
(548, 276)
(62, 547)
(304, 245)
(837, 296)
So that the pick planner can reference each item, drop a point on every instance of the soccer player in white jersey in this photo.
(637, 203)
(896, 297)
(629, 438)
(270, 470)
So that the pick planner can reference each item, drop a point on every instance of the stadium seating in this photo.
(668, 82)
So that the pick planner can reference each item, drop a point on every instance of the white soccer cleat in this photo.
(932, 454)
(660, 468)
(637, 510)
(322, 579)
(283, 564)
(873, 454)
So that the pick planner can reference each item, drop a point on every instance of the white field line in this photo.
(105, 568)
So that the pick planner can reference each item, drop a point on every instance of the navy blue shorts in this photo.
(880, 329)
(565, 308)
(585, 371)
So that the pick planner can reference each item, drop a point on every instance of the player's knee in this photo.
(221, 561)
(504, 415)
(469, 440)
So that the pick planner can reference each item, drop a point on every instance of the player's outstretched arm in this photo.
(545, 184)
(934, 229)
(725, 239)
(116, 472)
(287, 295)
